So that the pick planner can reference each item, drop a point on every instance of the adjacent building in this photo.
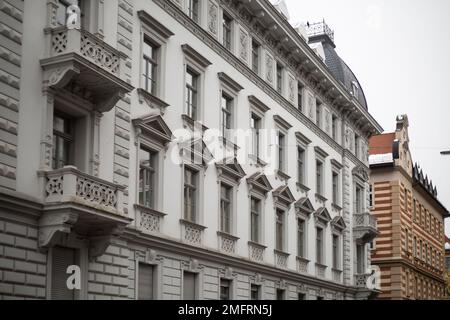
(409, 249)
(447, 264)
(182, 149)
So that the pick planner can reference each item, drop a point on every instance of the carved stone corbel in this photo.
(52, 224)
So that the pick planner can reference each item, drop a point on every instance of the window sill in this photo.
(258, 161)
(193, 224)
(192, 124)
(321, 197)
(336, 207)
(258, 245)
(301, 259)
(227, 235)
(302, 187)
(149, 210)
(151, 100)
(281, 253)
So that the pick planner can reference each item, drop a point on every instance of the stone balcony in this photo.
(75, 203)
(364, 227)
(80, 59)
(361, 280)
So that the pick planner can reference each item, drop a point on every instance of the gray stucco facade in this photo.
(92, 207)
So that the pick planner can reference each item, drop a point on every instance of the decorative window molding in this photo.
(153, 130)
(281, 123)
(230, 83)
(195, 153)
(152, 101)
(322, 217)
(283, 197)
(302, 139)
(162, 31)
(259, 183)
(195, 56)
(321, 154)
(258, 104)
(338, 224)
(232, 172)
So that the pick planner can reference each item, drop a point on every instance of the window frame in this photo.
(227, 31)
(256, 64)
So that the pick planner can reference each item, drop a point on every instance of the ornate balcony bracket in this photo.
(76, 204)
(364, 227)
(86, 66)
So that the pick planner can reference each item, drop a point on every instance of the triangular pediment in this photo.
(283, 195)
(231, 169)
(304, 206)
(260, 183)
(322, 215)
(338, 223)
(195, 151)
(154, 127)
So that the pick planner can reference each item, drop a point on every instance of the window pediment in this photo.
(194, 151)
(304, 205)
(322, 216)
(259, 183)
(283, 124)
(284, 196)
(153, 127)
(302, 139)
(229, 82)
(193, 54)
(152, 101)
(258, 104)
(361, 173)
(338, 224)
(231, 169)
(322, 154)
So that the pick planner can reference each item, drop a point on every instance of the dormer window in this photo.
(355, 89)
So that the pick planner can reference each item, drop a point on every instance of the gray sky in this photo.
(399, 50)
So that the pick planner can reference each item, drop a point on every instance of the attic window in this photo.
(355, 89)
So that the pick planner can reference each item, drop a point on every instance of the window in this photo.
(63, 141)
(356, 145)
(255, 56)
(227, 112)
(255, 218)
(225, 289)
(193, 9)
(320, 298)
(334, 127)
(319, 114)
(301, 296)
(371, 202)
(254, 292)
(189, 286)
(279, 78)
(281, 151)
(319, 177)
(301, 165)
(280, 294)
(227, 27)
(61, 10)
(255, 124)
(335, 188)
(447, 261)
(406, 200)
(147, 177)
(225, 208)
(62, 258)
(301, 238)
(336, 263)
(419, 250)
(192, 84)
(300, 97)
(146, 282)
(279, 230)
(359, 200)
(415, 247)
(319, 245)
(190, 194)
(360, 259)
(150, 66)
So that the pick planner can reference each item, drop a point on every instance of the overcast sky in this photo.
(400, 52)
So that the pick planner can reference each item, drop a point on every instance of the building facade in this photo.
(410, 247)
(119, 153)
(447, 264)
